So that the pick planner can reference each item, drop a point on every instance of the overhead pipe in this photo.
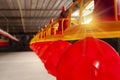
(8, 35)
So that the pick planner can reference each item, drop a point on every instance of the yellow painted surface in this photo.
(2, 40)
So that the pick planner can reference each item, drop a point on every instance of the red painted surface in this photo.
(53, 54)
(104, 10)
(4, 43)
(50, 53)
(40, 47)
(62, 24)
(89, 59)
(53, 31)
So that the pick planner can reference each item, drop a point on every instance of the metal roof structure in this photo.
(29, 15)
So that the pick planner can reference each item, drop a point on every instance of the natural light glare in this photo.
(89, 9)
(76, 13)
(87, 21)
(86, 14)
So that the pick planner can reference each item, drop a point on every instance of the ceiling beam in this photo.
(21, 14)
(28, 24)
(30, 17)
(33, 26)
(30, 9)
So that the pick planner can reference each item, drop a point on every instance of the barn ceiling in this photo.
(29, 15)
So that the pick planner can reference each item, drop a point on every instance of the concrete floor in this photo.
(22, 66)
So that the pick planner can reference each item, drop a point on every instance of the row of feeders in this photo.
(89, 58)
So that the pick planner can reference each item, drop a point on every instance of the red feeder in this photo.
(41, 35)
(53, 54)
(63, 9)
(45, 26)
(3, 42)
(51, 21)
(62, 24)
(40, 47)
(89, 59)
(53, 29)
